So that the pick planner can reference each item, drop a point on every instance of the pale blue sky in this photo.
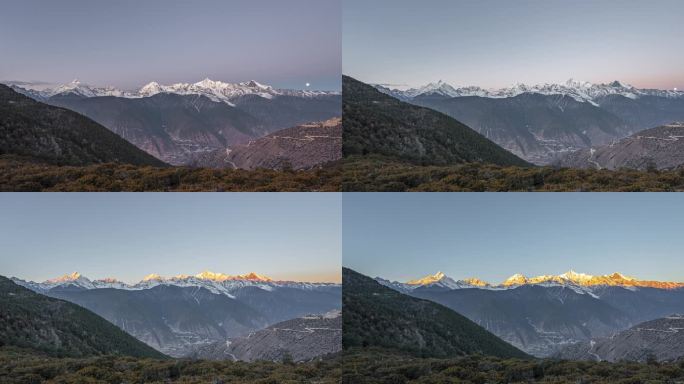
(494, 235)
(128, 43)
(129, 235)
(497, 43)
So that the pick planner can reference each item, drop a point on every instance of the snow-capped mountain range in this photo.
(582, 91)
(218, 283)
(215, 90)
(580, 282)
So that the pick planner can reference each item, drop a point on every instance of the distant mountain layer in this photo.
(580, 281)
(301, 339)
(176, 123)
(59, 136)
(375, 123)
(582, 91)
(214, 90)
(535, 127)
(375, 315)
(542, 122)
(543, 314)
(656, 148)
(302, 147)
(659, 340)
(59, 328)
(179, 314)
(168, 126)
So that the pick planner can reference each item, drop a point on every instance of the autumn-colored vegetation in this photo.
(378, 366)
(27, 367)
(22, 174)
(377, 173)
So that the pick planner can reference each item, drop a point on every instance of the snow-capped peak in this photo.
(69, 277)
(213, 89)
(516, 279)
(582, 91)
(149, 89)
(576, 277)
(475, 282)
(208, 275)
(153, 277)
(429, 279)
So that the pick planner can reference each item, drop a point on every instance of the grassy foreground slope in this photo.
(377, 316)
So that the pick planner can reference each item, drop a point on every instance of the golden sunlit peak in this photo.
(429, 279)
(208, 275)
(70, 277)
(254, 276)
(152, 276)
(516, 279)
(476, 282)
(583, 279)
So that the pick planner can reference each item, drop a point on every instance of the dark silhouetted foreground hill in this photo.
(377, 316)
(59, 328)
(60, 136)
(375, 123)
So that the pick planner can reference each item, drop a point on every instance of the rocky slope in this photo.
(656, 148)
(302, 147)
(60, 328)
(659, 340)
(60, 136)
(301, 339)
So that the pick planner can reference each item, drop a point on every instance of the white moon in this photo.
(307, 84)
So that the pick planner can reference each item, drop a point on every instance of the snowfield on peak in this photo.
(215, 90)
(217, 283)
(582, 91)
(579, 282)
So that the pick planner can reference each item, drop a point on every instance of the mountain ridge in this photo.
(377, 124)
(569, 277)
(377, 316)
(61, 136)
(214, 90)
(60, 328)
(583, 91)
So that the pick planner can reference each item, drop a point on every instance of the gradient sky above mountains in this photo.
(286, 236)
(497, 43)
(494, 235)
(129, 43)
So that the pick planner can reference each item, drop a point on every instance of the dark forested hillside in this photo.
(378, 173)
(375, 123)
(19, 366)
(377, 316)
(59, 328)
(60, 136)
(376, 366)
